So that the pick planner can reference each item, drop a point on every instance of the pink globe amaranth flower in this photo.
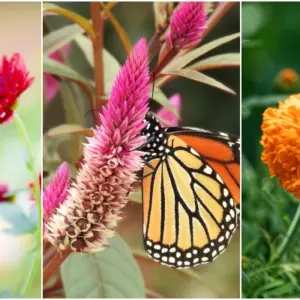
(14, 80)
(50, 83)
(56, 192)
(166, 115)
(3, 193)
(187, 25)
(91, 212)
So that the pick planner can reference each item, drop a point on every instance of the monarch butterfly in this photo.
(190, 188)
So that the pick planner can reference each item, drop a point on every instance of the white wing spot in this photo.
(207, 170)
(178, 254)
(157, 247)
(214, 253)
(172, 259)
(149, 243)
(206, 250)
(187, 263)
(227, 234)
(221, 247)
(219, 178)
(231, 201)
(196, 260)
(156, 255)
(195, 251)
(232, 213)
(194, 152)
(165, 258)
(164, 250)
(231, 226)
(204, 258)
(189, 255)
(173, 250)
(221, 239)
(224, 204)
(227, 218)
(225, 192)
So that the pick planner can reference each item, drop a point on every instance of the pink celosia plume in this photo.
(187, 25)
(14, 80)
(51, 85)
(92, 210)
(57, 191)
(168, 118)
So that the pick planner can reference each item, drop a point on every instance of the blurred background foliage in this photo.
(270, 37)
(16, 222)
(203, 106)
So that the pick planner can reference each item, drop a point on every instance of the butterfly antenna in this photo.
(153, 80)
(91, 110)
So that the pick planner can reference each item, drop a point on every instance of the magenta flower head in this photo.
(14, 80)
(92, 210)
(168, 118)
(3, 193)
(56, 192)
(187, 25)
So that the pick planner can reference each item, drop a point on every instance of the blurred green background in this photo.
(20, 31)
(203, 106)
(271, 39)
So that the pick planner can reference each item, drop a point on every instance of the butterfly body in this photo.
(189, 214)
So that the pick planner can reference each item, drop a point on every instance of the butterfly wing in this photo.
(189, 214)
(220, 150)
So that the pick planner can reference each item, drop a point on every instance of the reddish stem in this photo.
(98, 25)
(51, 266)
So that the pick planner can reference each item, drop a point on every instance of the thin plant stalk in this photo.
(98, 25)
(289, 236)
(35, 266)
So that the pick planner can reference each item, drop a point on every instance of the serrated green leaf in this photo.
(198, 52)
(200, 77)
(111, 273)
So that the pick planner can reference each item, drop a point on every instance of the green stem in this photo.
(35, 266)
(289, 236)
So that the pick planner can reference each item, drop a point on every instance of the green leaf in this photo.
(217, 61)
(111, 65)
(56, 68)
(200, 77)
(111, 273)
(50, 9)
(58, 38)
(69, 129)
(196, 53)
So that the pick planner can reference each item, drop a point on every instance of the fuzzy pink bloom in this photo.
(57, 191)
(166, 115)
(14, 80)
(50, 83)
(187, 25)
(3, 191)
(93, 208)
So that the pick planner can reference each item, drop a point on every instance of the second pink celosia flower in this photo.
(92, 209)
(187, 25)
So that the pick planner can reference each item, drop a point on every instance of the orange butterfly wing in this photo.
(220, 156)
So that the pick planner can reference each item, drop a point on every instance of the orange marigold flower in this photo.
(281, 143)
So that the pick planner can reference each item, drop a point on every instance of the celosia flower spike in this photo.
(187, 25)
(56, 192)
(281, 143)
(92, 210)
(14, 80)
(168, 118)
